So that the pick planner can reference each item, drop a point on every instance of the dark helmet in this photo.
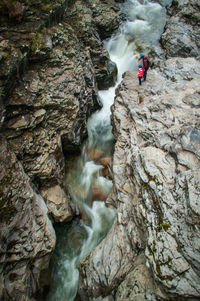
(140, 66)
(141, 55)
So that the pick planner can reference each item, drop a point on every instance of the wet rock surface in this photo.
(52, 59)
(151, 252)
(27, 235)
(156, 189)
(51, 66)
(181, 36)
(58, 203)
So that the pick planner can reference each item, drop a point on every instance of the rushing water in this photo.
(142, 30)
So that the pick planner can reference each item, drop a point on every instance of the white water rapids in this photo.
(142, 28)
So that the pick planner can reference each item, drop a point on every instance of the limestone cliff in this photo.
(152, 251)
(52, 61)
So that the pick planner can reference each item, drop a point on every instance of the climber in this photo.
(146, 64)
(140, 74)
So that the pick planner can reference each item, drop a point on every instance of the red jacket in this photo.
(140, 72)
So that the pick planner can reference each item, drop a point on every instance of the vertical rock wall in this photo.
(52, 60)
(152, 251)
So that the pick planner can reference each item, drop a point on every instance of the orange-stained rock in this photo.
(105, 161)
(97, 194)
(95, 154)
(57, 203)
(104, 172)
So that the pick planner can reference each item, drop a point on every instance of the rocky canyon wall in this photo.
(152, 251)
(52, 61)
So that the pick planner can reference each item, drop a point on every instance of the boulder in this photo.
(57, 203)
(97, 194)
(95, 154)
(106, 161)
(106, 171)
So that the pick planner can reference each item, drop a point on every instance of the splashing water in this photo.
(145, 23)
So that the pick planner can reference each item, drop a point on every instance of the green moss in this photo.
(2, 92)
(154, 198)
(158, 270)
(37, 42)
(47, 7)
(163, 226)
(19, 53)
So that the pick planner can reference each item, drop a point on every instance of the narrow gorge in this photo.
(100, 177)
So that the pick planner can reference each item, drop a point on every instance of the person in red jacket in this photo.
(140, 74)
(146, 64)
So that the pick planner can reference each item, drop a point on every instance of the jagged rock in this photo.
(26, 233)
(156, 189)
(103, 16)
(106, 74)
(52, 86)
(105, 19)
(48, 89)
(15, 10)
(24, 38)
(137, 285)
(57, 203)
(47, 112)
(179, 39)
(181, 36)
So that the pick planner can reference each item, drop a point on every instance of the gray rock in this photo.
(26, 233)
(48, 91)
(181, 36)
(57, 203)
(156, 189)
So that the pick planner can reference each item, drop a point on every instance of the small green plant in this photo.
(47, 7)
(164, 226)
(37, 42)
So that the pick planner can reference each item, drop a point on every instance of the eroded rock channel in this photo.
(56, 72)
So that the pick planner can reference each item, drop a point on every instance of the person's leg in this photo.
(140, 80)
(145, 74)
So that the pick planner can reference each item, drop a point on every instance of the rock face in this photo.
(156, 189)
(152, 250)
(52, 60)
(182, 37)
(27, 235)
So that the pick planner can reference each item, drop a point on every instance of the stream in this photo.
(144, 24)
